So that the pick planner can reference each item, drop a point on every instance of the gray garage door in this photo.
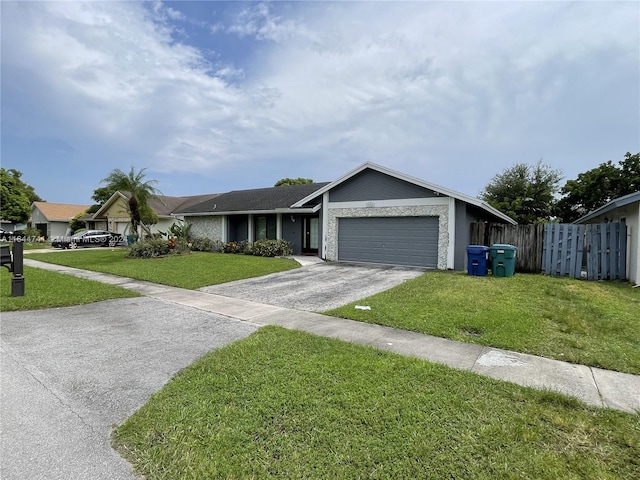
(391, 240)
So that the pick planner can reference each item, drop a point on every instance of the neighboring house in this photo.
(52, 219)
(7, 226)
(372, 214)
(114, 214)
(623, 209)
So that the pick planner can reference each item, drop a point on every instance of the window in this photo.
(265, 227)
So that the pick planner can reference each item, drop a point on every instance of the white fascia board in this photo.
(112, 199)
(612, 205)
(408, 178)
(250, 212)
(296, 210)
(400, 202)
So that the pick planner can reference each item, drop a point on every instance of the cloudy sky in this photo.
(215, 96)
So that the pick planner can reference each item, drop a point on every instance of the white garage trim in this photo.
(440, 211)
(325, 224)
(451, 250)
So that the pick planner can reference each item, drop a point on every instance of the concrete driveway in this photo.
(319, 287)
(69, 374)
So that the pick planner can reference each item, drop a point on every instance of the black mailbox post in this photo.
(14, 263)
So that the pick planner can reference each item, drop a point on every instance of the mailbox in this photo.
(14, 263)
(5, 257)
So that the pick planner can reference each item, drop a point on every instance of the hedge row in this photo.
(158, 247)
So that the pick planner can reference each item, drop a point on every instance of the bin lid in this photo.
(503, 246)
(477, 249)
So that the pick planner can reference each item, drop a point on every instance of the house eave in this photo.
(612, 205)
(407, 178)
(288, 210)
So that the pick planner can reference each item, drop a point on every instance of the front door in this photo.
(310, 235)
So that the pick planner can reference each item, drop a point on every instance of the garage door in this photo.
(391, 240)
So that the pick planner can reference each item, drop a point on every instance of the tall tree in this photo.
(16, 196)
(524, 192)
(285, 182)
(140, 192)
(595, 187)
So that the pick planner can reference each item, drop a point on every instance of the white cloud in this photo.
(258, 21)
(409, 85)
(107, 72)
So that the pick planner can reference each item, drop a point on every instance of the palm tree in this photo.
(141, 191)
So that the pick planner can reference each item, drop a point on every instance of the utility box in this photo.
(477, 260)
(503, 259)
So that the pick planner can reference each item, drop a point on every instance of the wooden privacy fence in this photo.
(562, 254)
(528, 239)
(561, 249)
(603, 246)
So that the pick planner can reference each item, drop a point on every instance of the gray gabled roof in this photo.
(256, 200)
(613, 204)
(416, 181)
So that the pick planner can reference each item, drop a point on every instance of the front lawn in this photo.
(286, 404)
(591, 323)
(187, 271)
(30, 245)
(44, 289)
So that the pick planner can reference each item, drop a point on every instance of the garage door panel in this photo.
(391, 240)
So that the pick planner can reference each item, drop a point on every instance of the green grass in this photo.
(187, 271)
(591, 323)
(44, 289)
(30, 245)
(286, 404)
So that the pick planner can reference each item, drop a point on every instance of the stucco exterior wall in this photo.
(206, 227)
(440, 211)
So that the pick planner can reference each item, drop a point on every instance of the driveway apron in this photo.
(70, 374)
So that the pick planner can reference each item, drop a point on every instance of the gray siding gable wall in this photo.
(372, 185)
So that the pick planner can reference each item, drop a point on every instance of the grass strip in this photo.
(44, 289)
(591, 323)
(286, 404)
(186, 271)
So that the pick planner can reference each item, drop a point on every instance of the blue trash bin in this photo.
(477, 260)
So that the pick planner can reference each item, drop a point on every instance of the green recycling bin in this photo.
(503, 259)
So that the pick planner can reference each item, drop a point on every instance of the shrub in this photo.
(245, 248)
(203, 244)
(181, 247)
(272, 248)
(148, 248)
(230, 247)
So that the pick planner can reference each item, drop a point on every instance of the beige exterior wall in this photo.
(118, 219)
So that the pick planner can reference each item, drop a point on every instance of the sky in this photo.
(217, 96)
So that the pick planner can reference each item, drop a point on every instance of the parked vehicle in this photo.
(88, 238)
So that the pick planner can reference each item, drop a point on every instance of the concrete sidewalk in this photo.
(594, 386)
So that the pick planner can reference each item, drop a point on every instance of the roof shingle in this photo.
(254, 200)
(62, 212)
